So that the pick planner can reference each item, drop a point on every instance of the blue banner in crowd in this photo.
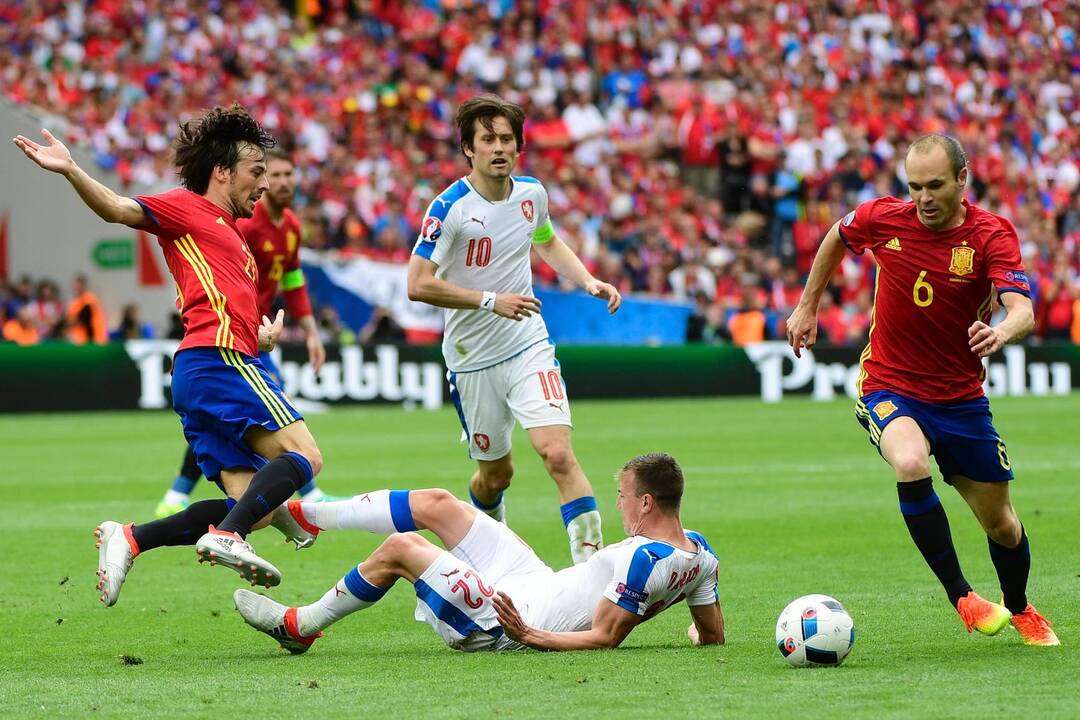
(577, 318)
(356, 286)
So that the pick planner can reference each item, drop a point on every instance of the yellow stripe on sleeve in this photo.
(191, 252)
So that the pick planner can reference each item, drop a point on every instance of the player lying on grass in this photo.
(490, 591)
(246, 435)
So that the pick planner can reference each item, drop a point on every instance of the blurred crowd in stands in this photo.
(692, 149)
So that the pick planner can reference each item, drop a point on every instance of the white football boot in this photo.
(289, 520)
(115, 555)
(231, 550)
(274, 619)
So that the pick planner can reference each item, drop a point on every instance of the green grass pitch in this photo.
(791, 496)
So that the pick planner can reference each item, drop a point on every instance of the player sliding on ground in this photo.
(489, 590)
(940, 262)
(246, 435)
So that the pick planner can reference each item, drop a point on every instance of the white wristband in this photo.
(488, 301)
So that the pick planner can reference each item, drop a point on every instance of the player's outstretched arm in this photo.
(610, 627)
(55, 157)
(802, 325)
(425, 287)
(708, 625)
(559, 256)
(1019, 321)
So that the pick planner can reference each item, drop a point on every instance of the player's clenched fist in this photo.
(515, 307)
(985, 340)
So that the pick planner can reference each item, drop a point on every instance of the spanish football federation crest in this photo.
(884, 409)
(963, 260)
(527, 209)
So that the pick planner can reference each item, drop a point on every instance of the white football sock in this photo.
(585, 536)
(314, 496)
(338, 602)
(370, 512)
(172, 497)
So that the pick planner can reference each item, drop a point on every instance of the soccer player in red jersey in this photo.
(247, 436)
(273, 236)
(941, 261)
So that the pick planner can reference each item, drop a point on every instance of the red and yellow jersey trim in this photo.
(195, 258)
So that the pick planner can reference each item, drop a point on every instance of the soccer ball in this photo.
(814, 630)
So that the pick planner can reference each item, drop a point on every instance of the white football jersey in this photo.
(641, 575)
(484, 245)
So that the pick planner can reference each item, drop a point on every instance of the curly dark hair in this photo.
(486, 108)
(215, 139)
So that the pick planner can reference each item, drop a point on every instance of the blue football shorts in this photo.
(220, 395)
(962, 436)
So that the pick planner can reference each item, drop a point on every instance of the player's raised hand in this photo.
(802, 329)
(509, 617)
(53, 156)
(515, 307)
(605, 291)
(270, 330)
(984, 339)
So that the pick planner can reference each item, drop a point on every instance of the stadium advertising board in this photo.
(61, 377)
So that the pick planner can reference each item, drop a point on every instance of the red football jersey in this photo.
(214, 271)
(931, 285)
(277, 255)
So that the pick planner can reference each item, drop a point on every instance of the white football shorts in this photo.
(454, 594)
(527, 388)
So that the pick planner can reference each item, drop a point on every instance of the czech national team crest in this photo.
(527, 209)
(483, 442)
(963, 260)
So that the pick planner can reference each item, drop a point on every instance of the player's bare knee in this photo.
(558, 458)
(911, 467)
(1004, 529)
(394, 549)
(431, 503)
(497, 479)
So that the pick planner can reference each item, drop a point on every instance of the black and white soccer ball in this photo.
(815, 630)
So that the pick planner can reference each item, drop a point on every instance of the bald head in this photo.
(937, 172)
(927, 144)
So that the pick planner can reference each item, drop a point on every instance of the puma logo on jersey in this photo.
(481, 221)
(893, 244)
(557, 406)
(594, 546)
(448, 575)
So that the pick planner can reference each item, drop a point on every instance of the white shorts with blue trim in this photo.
(527, 387)
(454, 594)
